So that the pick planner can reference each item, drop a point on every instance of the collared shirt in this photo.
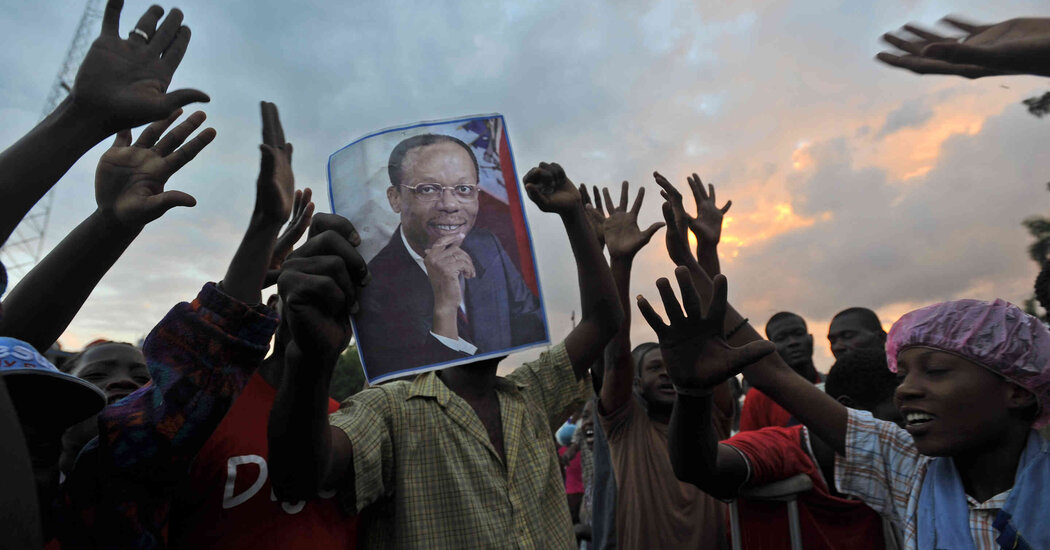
(883, 468)
(428, 476)
(459, 344)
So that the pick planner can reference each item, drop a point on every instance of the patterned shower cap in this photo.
(996, 335)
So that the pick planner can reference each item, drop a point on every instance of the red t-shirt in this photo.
(228, 502)
(827, 522)
(760, 411)
(573, 474)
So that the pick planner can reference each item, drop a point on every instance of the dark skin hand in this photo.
(318, 286)
(594, 211)
(825, 417)
(122, 83)
(274, 199)
(699, 360)
(130, 191)
(126, 80)
(1015, 46)
(706, 225)
(552, 191)
(625, 240)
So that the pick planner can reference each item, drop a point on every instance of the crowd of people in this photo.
(209, 436)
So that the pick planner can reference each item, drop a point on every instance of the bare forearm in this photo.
(616, 387)
(62, 282)
(696, 455)
(707, 256)
(244, 278)
(33, 164)
(820, 413)
(300, 439)
(602, 315)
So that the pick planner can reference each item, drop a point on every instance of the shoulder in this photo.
(392, 254)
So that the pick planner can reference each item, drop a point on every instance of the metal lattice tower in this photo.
(23, 249)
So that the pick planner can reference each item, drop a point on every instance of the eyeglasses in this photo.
(431, 192)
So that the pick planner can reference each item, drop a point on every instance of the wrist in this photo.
(84, 123)
(573, 214)
(106, 221)
(262, 222)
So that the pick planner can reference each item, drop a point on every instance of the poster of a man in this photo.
(443, 230)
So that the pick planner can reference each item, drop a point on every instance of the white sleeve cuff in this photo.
(458, 344)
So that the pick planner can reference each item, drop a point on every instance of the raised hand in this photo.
(275, 191)
(551, 190)
(693, 346)
(130, 178)
(594, 212)
(675, 218)
(620, 228)
(302, 214)
(707, 225)
(1015, 46)
(318, 286)
(123, 83)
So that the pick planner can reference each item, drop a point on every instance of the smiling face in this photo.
(953, 406)
(422, 222)
(654, 383)
(116, 369)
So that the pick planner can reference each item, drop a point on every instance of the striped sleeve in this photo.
(881, 465)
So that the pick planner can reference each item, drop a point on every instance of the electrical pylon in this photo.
(23, 249)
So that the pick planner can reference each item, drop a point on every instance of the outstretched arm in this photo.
(1015, 46)
(274, 197)
(819, 412)
(625, 240)
(129, 190)
(318, 287)
(698, 359)
(121, 84)
(552, 191)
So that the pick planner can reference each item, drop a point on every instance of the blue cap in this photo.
(41, 393)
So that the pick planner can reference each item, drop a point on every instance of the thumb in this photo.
(744, 356)
(123, 138)
(157, 205)
(652, 229)
(180, 98)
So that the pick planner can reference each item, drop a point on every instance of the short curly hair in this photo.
(863, 375)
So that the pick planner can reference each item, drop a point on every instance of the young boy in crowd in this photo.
(116, 368)
(829, 520)
(451, 459)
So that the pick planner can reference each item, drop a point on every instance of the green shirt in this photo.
(430, 477)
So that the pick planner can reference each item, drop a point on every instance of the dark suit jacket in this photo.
(396, 315)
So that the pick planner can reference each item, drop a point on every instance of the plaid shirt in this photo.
(883, 468)
(430, 477)
(200, 356)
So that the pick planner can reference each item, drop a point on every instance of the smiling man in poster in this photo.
(442, 288)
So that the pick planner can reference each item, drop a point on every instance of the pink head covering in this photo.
(996, 335)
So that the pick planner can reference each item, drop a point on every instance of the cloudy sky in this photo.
(852, 183)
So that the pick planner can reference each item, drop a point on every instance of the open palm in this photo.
(130, 178)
